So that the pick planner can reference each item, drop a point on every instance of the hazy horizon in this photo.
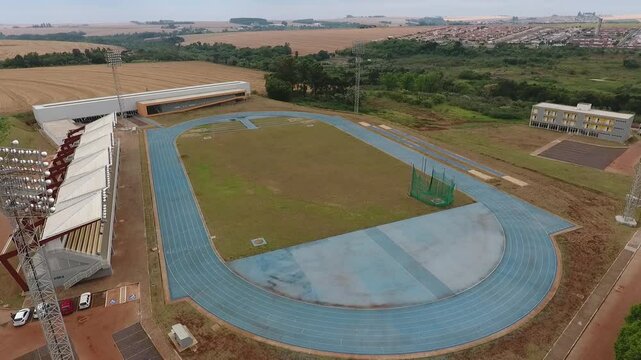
(102, 11)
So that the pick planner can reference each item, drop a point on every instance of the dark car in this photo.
(67, 306)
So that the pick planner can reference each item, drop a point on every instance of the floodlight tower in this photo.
(25, 198)
(358, 50)
(632, 201)
(114, 60)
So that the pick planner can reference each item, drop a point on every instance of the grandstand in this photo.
(78, 236)
(57, 119)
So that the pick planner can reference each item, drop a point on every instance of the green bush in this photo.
(631, 64)
(628, 345)
(278, 89)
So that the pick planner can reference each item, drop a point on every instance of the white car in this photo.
(85, 301)
(21, 317)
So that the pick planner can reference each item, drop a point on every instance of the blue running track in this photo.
(520, 282)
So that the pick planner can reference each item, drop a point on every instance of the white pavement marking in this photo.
(480, 175)
(515, 181)
(365, 124)
(384, 127)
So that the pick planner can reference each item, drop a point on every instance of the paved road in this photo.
(520, 282)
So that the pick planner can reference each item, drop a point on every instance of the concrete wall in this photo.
(105, 105)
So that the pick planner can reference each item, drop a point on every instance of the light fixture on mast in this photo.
(26, 198)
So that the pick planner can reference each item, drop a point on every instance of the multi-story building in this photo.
(582, 120)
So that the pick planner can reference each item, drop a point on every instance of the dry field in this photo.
(23, 88)
(105, 29)
(303, 41)
(11, 48)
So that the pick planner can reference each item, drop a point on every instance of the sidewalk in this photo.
(603, 311)
(597, 342)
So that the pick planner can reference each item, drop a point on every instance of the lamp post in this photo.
(25, 198)
(114, 60)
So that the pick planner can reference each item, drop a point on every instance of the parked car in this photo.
(67, 307)
(85, 301)
(21, 317)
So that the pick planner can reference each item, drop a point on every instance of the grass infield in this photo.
(293, 184)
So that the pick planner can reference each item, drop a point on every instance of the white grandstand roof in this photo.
(74, 213)
(82, 184)
(97, 133)
(91, 162)
(109, 119)
(103, 143)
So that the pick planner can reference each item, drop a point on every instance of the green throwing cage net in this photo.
(436, 190)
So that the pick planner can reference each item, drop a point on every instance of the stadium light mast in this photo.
(358, 49)
(114, 60)
(632, 201)
(25, 198)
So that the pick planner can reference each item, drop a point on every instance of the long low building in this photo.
(57, 118)
(583, 120)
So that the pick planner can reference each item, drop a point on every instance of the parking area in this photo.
(90, 329)
(594, 156)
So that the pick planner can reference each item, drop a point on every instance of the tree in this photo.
(278, 89)
(628, 345)
(390, 81)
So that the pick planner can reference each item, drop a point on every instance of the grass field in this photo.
(514, 143)
(303, 41)
(21, 127)
(11, 48)
(293, 184)
(23, 88)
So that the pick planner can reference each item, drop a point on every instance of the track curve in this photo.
(521, 281)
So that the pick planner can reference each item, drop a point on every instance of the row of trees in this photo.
(304, 76)
(76, 57)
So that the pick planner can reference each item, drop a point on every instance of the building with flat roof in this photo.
(57, 118)
(582, 120)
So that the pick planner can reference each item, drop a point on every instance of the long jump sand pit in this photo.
(594, 156)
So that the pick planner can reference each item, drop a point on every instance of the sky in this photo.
(96, 11)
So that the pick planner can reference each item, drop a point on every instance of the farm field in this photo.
(303, 41)
(23, 88)
(105, 28)
(291, 184)
(11, 48)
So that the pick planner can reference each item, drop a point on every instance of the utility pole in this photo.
(114, 60)
(632, 201)
(25, 197)
(358, 50)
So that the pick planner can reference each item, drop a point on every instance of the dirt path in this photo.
(597, 342)
(625, 163)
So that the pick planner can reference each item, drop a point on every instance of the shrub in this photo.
(628, 345)
(631, 64)
(278, 89)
